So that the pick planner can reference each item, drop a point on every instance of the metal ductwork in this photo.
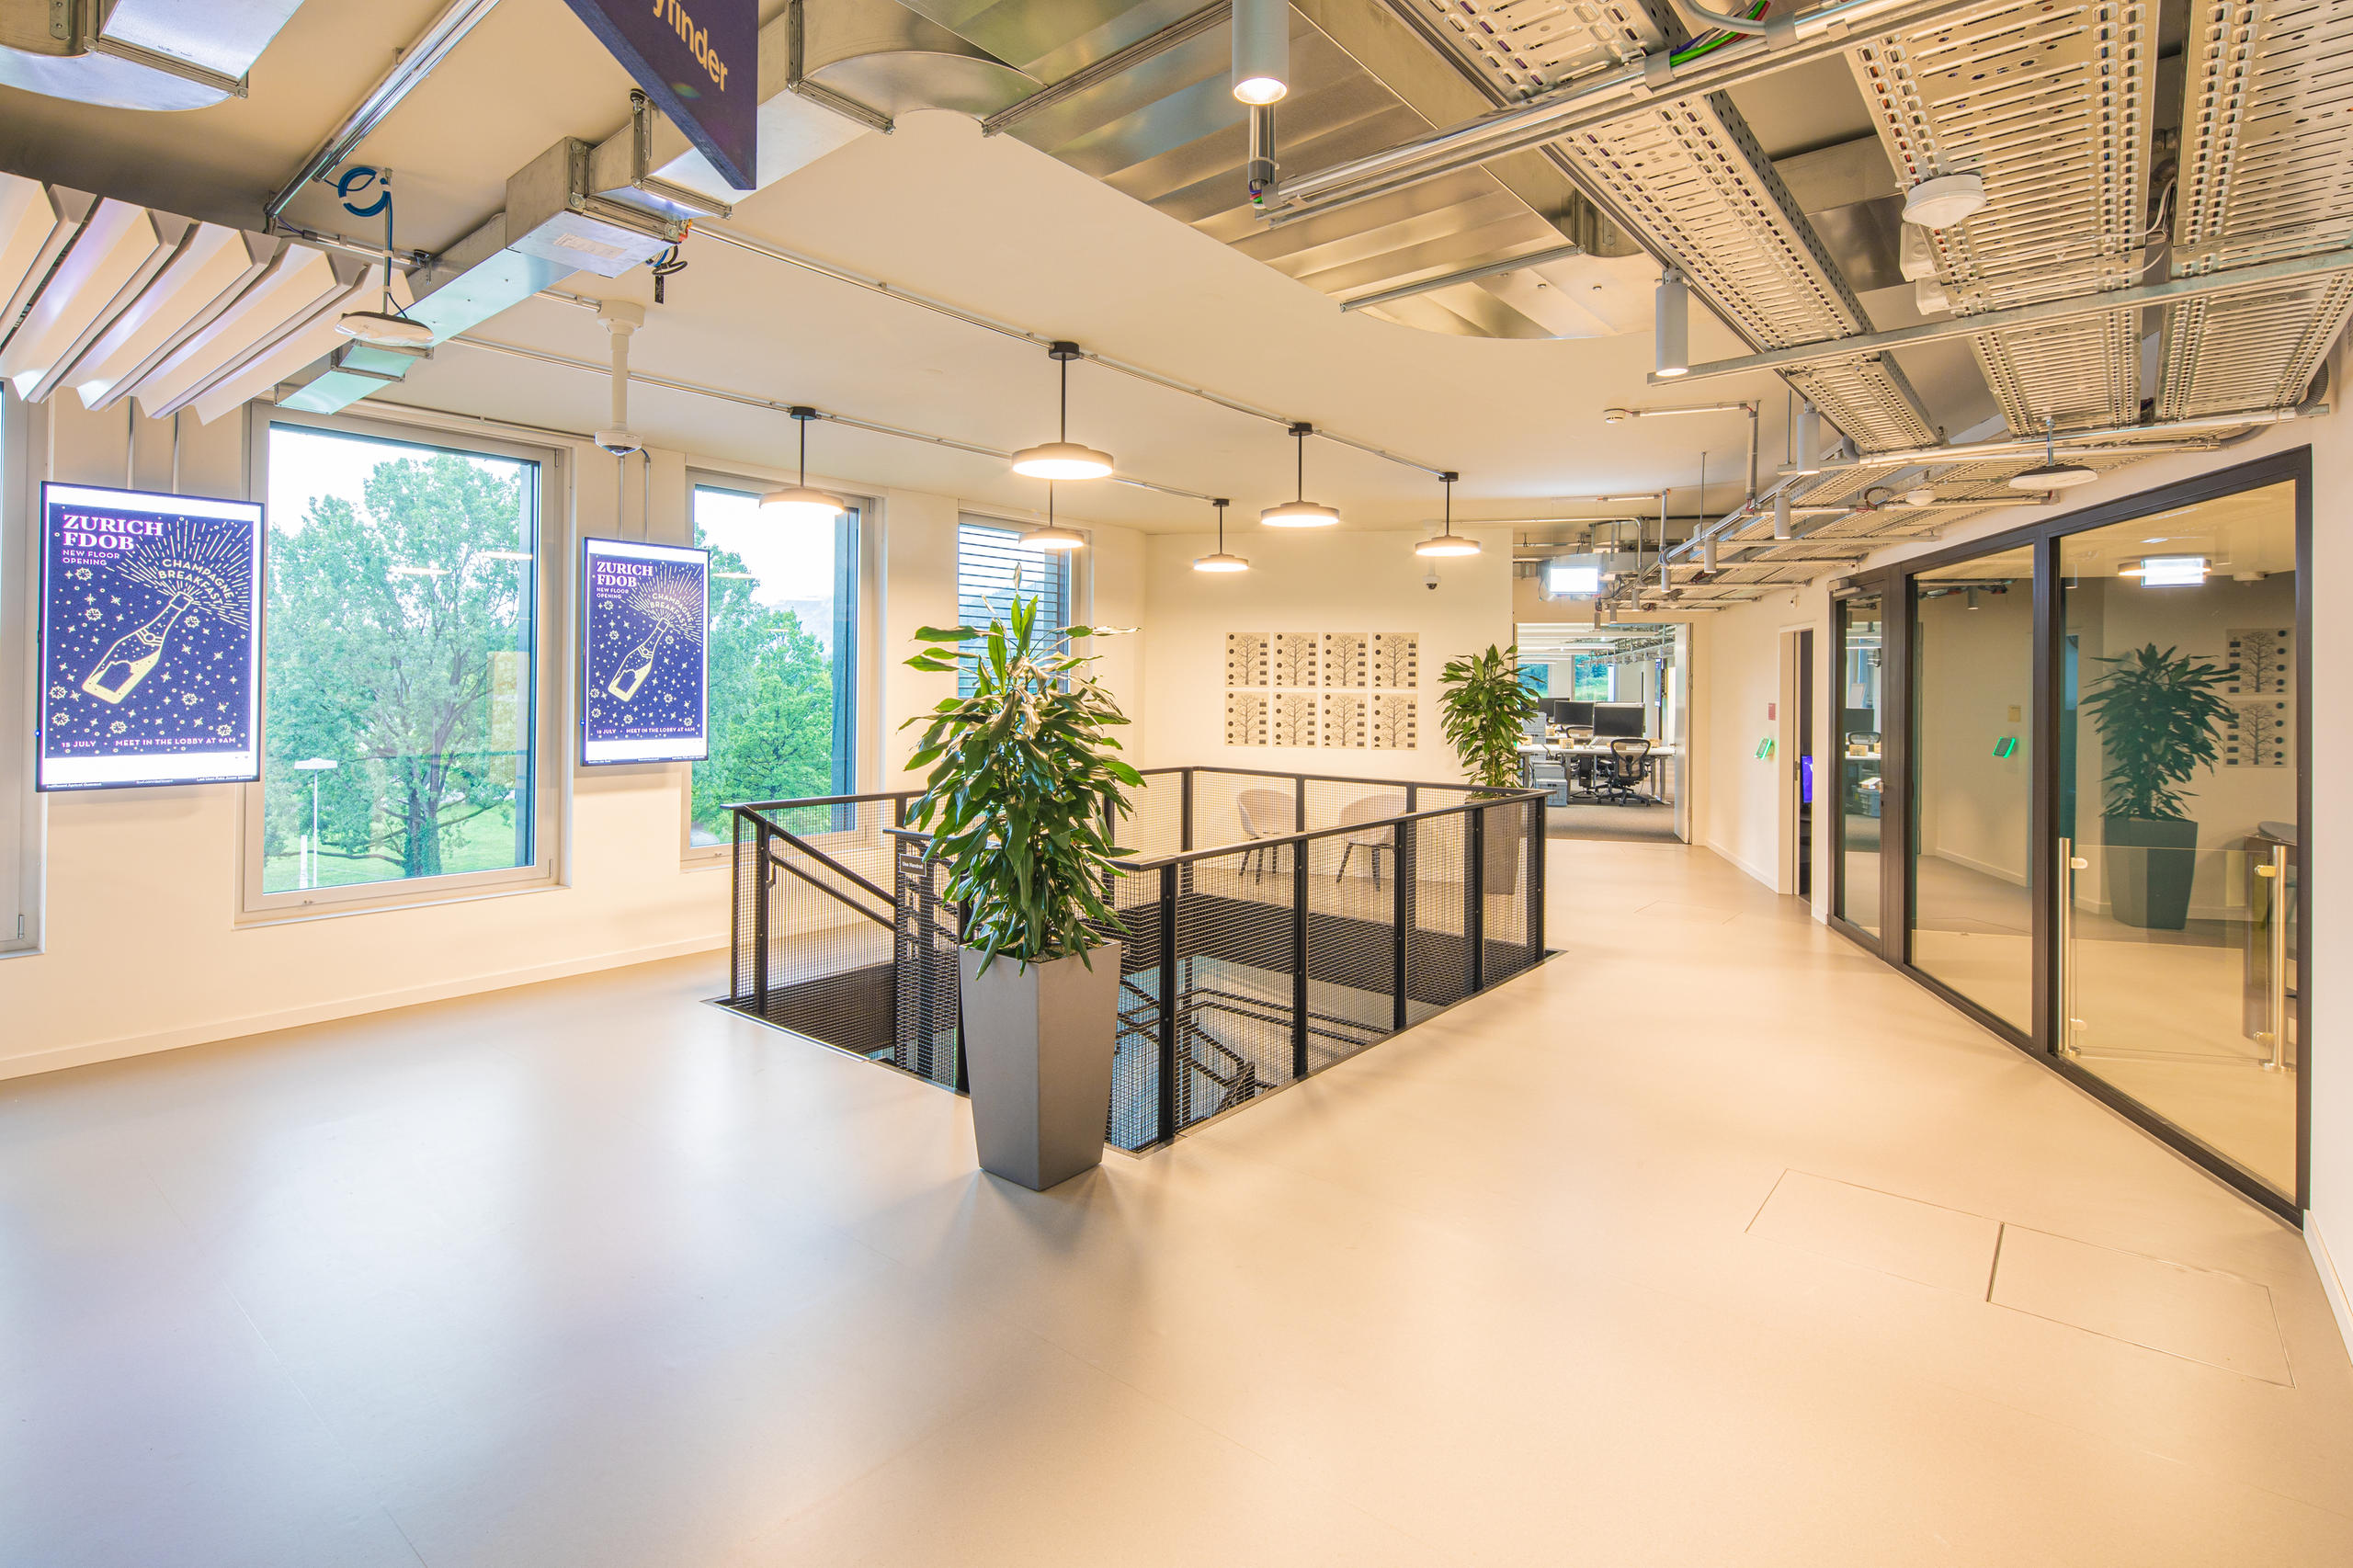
(145, 54)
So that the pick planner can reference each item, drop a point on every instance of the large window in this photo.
(783, 657)
(995, 565)
(404, 627)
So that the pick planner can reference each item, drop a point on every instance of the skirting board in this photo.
(345, 1007)
(2332, 1283)
(1768, 877)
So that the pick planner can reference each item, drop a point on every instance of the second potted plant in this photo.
(1485, 709)
(2156, 713)
(1021, 789)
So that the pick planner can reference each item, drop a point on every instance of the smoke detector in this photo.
(1944, 200)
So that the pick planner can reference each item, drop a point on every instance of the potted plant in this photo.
(1483, 707)
(2156, 713)
(1021, 791)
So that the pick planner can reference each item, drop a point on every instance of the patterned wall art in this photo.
(1292, 719)
(2260, 664)
(1396, 660)
(1246, 717)
(1347, 660)
(1395, 718)
(1245, 659)
(1347, 719)
(1295, 659)
(1350, 689)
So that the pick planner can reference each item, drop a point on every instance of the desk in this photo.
(1530, 751)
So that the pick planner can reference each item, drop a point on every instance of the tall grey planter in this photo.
(1037, 1049)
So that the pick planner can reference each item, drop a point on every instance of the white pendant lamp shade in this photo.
(1062, 457)
(1062, 460)
(1261, 49)
(1299, 512)
(1447, 541)
(1218, 560)
(1944, 200)
(797, 503)
(1673, 325)
(2051, 473)
(1053, 535)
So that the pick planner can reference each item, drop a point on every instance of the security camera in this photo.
(618, 441)
(1430, 582)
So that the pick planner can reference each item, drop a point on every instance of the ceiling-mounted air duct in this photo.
(144, 54)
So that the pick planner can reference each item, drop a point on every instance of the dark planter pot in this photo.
(1037, 1049)
(2149, 864)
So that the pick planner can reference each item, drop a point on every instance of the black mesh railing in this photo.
(1271, 925)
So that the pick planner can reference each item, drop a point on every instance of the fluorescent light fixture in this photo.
(1261, 51)
(797, 503)
(1672, 326)
(382, 329)
(2167, 570)
(1560, 577)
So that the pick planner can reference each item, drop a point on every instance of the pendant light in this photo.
(1261, 49)
(1053, 535)
(2051, 473)
(1219, 561)
(798, 504)
(1063, 459)
(1672, 327)
(1782, 529)
(387, 328)
(1299, 512)
(1447, 541)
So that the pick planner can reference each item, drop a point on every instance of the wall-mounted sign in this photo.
(699, 61)
(148, 650)
(644, 669)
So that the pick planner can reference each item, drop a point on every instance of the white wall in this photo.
(143, 949)
(1740, 824)
(1312, 580)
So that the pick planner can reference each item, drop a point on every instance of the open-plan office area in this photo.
(853, 782)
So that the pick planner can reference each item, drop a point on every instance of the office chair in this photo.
(1372, 807)
(1630, 763)
(1266, 813)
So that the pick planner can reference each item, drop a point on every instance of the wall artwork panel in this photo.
(1347, 660)
(1246, 717)
(1346, 718)
(1394, 720)
(1292, 719)
(1295, 658)
(2259, 664)
(1396, 660)
(1246, 659)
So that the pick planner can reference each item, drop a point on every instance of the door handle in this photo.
(2077, 863)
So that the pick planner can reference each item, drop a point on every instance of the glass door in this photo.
(2176, 823)
(1854, 775)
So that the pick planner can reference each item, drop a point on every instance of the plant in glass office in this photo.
(1484, 709)
(2156, 710)
(1018, 801)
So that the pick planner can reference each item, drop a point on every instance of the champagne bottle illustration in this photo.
(133, 654)
(193, 569)
(673, 602)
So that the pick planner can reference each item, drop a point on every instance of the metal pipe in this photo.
(1021, 334)
(1119, 62)
(1259, 171)
(2068, 1023)
(1464, 274)
(2075, 307)
(2075, 445)
(2277, 873)
(415, 62)
(1649, 84)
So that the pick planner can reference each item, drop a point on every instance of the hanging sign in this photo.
(699, 61)
(149, 656)
(644, 670)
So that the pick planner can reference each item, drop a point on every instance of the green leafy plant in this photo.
(1484, 712)
(2156, 714)
(1022, 788)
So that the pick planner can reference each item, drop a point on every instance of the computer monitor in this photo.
(1611, 720)
(1569, 713)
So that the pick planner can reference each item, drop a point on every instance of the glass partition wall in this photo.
(2092, 739)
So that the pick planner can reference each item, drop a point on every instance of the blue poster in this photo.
(644, 611)
(699, 61)
(151, 606)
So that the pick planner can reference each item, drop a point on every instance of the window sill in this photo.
(284, 915)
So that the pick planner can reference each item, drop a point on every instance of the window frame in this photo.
(861, 699)
(22, 814)
(551, 683)
(1078, 592)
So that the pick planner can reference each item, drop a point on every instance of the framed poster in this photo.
(150, 640)
(645, 670)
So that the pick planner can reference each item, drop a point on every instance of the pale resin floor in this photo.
(1711, 1244)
